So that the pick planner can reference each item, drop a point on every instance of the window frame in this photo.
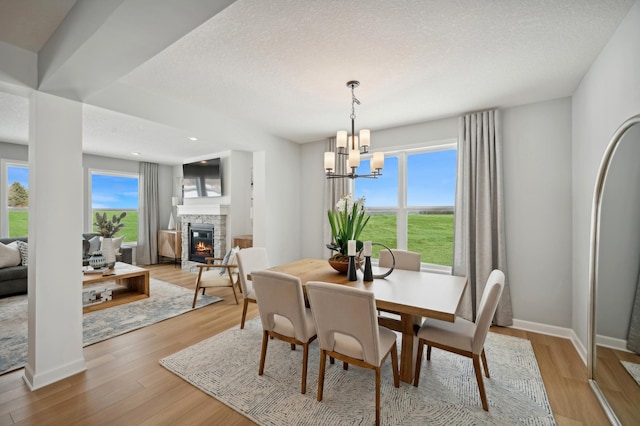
(5, 163)
(89, 196)
(402, 209)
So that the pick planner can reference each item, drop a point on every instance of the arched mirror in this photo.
(614, 278)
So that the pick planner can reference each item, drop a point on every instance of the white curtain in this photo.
(333, 190)
(148, 215)
(479, 238)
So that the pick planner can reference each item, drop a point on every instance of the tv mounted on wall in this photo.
(202, 179)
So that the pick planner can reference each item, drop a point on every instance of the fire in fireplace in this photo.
(200, 242)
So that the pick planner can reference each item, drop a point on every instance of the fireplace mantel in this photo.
(203, 209)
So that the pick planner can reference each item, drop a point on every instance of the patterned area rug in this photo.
(165, 301)
(225, 366)
(633, 369)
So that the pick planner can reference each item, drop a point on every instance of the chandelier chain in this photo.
(354, 101)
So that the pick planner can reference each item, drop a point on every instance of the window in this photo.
(18, 199)
(411, 204)
(113, 193)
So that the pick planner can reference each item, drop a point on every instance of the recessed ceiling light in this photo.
(135, 153)
(191, 138)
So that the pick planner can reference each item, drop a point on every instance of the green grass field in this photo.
(431, 235)
(18, 224)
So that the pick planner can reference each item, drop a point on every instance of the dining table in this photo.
(407, 293)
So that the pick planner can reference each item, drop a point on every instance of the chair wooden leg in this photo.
(428, 353)
(345, 365)
(305, 358)
(195, 296)
(484, 363)
(233, 287)
(244, 312)
(483, 394)
(377, 395)
(416, 377)
(263, 353)
(332, 360)
(323, 356)
(293, 346)
(394, 365)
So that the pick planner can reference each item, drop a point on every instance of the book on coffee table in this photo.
(95, 271)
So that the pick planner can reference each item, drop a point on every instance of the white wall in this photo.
(537, 185)
(239, 187)
(280, 206)
(537, 160)
(608, 94)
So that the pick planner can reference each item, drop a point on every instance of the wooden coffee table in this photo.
(127, 282)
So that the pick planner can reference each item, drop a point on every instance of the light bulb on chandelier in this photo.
(352, 147)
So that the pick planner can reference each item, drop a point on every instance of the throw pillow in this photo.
(229, 258)
(24, 252)
(94, 244)
(117, 243)
(9, 255)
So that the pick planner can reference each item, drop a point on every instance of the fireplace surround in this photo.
(219, 224)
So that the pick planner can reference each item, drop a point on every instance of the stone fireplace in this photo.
(210, 225)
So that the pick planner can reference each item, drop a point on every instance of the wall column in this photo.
(55, 233)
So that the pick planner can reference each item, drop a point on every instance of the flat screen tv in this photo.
(202, 179)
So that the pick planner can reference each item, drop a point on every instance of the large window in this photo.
(411, 204)
(18, 199)
(113, 193)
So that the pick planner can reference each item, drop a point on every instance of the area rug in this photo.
(165, 301)
(225, 366)
(633, 369)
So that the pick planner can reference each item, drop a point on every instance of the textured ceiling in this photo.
(280, 67)
(28, 24)
(283, 64)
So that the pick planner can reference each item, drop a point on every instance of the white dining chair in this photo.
(407, 260)
(283, 315)
(250, 259)
(348, 330)
(464, 337)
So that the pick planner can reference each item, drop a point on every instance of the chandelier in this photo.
(349, 148)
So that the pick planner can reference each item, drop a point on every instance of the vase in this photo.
(96, 261)
(341, 263)
(108, 252)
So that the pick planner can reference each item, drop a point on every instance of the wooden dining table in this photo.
(408, 293)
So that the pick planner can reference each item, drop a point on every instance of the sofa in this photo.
(13, 279)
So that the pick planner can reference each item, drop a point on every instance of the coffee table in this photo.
(127, 282)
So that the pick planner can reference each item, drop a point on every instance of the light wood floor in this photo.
(125, 384)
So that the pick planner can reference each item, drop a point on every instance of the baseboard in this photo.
(39, 380)
(552, 330)
(612, 342)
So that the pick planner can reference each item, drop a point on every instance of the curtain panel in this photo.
(148, 215)
(479, 237)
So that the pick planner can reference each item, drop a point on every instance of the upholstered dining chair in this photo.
(348, 330)
(407, 260)
(283, 315)
(464, 337)
(250, 259)
(212, 274)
